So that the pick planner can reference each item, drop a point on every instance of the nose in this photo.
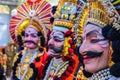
(28, 37)
(50, 41)
(84, 48)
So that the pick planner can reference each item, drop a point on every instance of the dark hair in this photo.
(2, 77)
(3, 51)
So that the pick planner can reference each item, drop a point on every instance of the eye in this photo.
(96, 40)
(34, 35)
(26, 35)
(57, 40)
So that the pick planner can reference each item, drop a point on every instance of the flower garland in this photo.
(68, 52)
(69, 69)
(32, 65)
(69, 44)
(67, 72)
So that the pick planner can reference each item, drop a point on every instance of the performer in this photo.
(62, 65)
(29, 29)
(95, 49)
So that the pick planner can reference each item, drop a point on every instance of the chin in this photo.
(50, 52)
(90, 68)
(31, 47)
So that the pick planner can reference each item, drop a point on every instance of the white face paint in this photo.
(31, 37)
(56, 40)
(94, 41)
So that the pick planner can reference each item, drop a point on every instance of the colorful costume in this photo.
(63, 62)
(99, 19)
(28, 28)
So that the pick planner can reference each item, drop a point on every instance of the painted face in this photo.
(55, 44)
(93, 41)
(31, 38)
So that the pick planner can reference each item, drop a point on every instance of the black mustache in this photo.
(93, 54)
(57, 50)
(30, 41)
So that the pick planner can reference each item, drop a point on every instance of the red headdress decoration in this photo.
(38, 11)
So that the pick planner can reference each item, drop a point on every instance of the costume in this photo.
(63, 62)
(100, 17)
(28, 28)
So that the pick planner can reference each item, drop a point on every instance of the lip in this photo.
(28, 43)
(51, 51)
(86, 59)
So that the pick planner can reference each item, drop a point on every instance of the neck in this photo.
(57, 60)
(32, 51)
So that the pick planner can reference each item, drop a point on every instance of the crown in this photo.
(66, 16)
(112, 12)
(93, 12)
(31, 12)
(96, 13)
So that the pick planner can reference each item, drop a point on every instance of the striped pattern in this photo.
(43, 13)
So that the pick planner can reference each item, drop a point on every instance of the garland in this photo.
(69, 44)
(67, 72)
(32, 65)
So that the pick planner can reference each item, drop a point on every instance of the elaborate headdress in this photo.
(65, 17)
(64, 21)
(32, 12)
(103, 12)
(93, 12)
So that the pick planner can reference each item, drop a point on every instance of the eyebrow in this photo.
(91, 32)
(57, 37)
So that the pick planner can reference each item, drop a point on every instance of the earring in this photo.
(110, 62)
(39, 43)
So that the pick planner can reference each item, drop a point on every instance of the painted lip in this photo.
(51, 51)
(28, 43)
(86, 59)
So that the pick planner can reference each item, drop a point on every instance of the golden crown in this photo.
(112, 12)
(94, 12)
(66, 16)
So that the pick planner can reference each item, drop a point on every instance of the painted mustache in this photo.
(57, 50)
(30, 42)
(93, 54)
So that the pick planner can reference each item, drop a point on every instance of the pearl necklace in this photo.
(101, 75)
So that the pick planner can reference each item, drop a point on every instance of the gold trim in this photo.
(62, 23)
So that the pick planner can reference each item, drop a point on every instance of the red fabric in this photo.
(44, 58)
(75, 67)
(40, 65)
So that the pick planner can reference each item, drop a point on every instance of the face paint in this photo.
(56, 42)
(31, 38)
(95, 49)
